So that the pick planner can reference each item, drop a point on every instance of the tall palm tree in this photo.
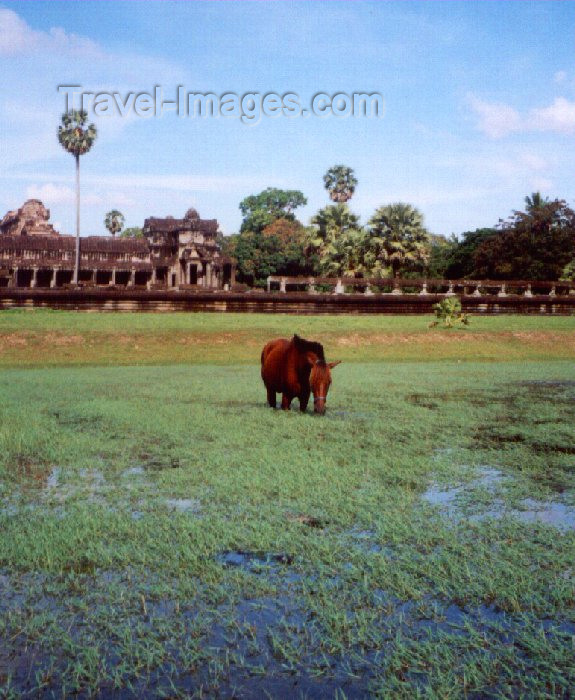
(114, 221)
(340, 182)
(399, 237)
(77, 138)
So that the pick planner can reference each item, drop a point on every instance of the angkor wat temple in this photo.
(174, 253)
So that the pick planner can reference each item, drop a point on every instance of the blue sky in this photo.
(479, 105)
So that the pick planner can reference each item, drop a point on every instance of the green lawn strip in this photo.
(43, 338)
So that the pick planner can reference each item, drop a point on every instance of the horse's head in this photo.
(320, 381)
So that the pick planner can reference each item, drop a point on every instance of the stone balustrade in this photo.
(421, 287)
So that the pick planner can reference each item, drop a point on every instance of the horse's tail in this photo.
(265, 351)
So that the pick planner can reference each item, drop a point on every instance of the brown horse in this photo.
(293, 368)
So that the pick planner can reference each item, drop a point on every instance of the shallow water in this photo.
(555, 513)
(183, 505)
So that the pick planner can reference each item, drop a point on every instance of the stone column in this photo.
(368, 291)
(34, 282)
(339, 288)
(132, 280)
(113, 279)
(53, 280)
(503, 291)
(528, 292)
(476, 293)
(311, 286)
(268, 283)
(450, 292)
(283, 285)
(396, 289)
(423, 289)
(14, 279)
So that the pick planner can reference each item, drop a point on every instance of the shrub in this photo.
(449, 311)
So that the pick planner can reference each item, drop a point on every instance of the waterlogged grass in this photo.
(163, 533)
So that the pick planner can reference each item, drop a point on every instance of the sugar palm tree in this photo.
(77, 138)
(399, 237)
(340, 182)
(114, 221)
(334, 237)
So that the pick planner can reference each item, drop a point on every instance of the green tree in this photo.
(340, 182)
(277, 250)
(536, 244)
(76, 138)
(260, 210)
(440, 252)
(132, 232)
(460, 258)
(114, 221)
(535, 202)
(337, 240)
(399, 238)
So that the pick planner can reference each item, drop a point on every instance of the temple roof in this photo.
(104, 244)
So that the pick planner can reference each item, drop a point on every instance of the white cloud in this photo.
(495, 120)
(558, 117)
(17, 37)
(560, 77)
(135, 181)
(52, 194)
(540, 184)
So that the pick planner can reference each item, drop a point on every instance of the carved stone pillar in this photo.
(34, 281)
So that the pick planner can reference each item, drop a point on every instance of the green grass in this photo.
(33, 338)
(128, 490)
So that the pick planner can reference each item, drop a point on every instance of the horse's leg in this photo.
(303, 400)
(286, 401)
(272, 398)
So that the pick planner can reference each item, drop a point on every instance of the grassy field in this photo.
(165, 534)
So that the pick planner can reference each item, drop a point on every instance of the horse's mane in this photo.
(309, 346)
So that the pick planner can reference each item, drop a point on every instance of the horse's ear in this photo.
(311, 358)
(331, 365)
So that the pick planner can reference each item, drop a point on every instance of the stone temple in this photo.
(173, 254)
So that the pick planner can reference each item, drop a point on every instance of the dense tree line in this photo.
(538, 243)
